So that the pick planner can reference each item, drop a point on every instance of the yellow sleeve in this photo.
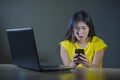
(63, 44)
(100, 44)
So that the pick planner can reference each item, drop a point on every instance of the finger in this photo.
(83, 55)
(74, 59)
(87, 64)
(84, 59)
(75, 56)
(76, 62)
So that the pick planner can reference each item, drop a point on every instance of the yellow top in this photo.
(94, 45)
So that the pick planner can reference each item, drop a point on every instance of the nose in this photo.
(80, 32)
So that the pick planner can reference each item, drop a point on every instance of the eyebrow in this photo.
(78, 27)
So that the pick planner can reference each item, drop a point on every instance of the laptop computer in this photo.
(24, 52)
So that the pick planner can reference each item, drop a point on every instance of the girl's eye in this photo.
(83, 28)
(76, 28)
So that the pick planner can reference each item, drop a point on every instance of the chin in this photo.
(79, 39)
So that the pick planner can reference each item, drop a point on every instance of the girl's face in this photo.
(81, 31)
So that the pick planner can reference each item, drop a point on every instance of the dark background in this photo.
(49, 19)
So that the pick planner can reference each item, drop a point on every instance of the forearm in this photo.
(91, 65)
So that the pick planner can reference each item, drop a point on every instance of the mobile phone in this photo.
(78, 51)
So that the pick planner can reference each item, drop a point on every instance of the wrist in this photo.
(72, 64)
(92, 65)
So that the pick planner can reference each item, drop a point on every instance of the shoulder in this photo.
(65, 42)
(98, 43)
(96, 39)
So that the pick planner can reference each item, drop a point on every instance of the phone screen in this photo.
(78, 51)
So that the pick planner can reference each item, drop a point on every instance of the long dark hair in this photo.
(77, 17)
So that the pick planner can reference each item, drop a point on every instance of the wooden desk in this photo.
(12, 72)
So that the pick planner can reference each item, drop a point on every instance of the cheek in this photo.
(87, 32)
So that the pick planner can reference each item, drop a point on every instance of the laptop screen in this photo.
(23, 48)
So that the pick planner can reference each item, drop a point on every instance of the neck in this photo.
(83, 41)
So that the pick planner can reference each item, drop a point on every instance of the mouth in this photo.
(80, 37)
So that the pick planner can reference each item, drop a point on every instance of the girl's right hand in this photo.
(76, 59)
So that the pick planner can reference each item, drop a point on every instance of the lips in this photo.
(80, 37)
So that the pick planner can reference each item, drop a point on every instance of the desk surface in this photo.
(12, 72)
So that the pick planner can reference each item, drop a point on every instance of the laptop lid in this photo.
(23, 48)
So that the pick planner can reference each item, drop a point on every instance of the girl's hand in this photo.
(84, 60)
(81, 59)
(76, 59)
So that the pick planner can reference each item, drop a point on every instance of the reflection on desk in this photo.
(12, 72)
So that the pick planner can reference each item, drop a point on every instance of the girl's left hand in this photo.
(84, 60)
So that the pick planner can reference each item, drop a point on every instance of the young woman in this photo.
(80, 34)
